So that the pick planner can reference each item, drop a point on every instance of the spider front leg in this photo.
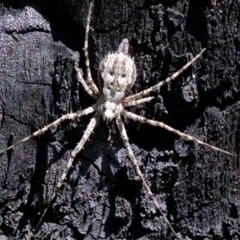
(137, 102)
(160, 84)
(140, 119)
(78, 148)
(87, 62)
(84, 84)
(69, 116)
(124, 137)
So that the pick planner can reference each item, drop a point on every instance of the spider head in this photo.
(108, 115)
(109, 110)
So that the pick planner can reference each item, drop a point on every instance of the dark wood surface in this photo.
(197, 187)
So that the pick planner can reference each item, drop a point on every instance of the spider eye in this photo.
(123, 75)
(111, 72)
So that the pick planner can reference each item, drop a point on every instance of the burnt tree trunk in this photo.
(197, 188)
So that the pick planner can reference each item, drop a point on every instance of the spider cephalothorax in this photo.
(117, 74)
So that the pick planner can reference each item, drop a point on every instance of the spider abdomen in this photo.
(117, 74)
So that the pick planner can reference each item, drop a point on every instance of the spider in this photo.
(117, 75)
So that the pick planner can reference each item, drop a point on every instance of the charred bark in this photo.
(197, 187)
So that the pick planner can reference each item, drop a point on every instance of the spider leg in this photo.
(138, 118)
(84, 84)
(70, 116)
(87, 62)
(77, 149)
(160, 84)
(136, 102)
(124, 136)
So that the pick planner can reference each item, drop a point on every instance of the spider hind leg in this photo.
(132, 157)
(92, 124)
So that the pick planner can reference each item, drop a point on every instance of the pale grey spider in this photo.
(117, 75)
